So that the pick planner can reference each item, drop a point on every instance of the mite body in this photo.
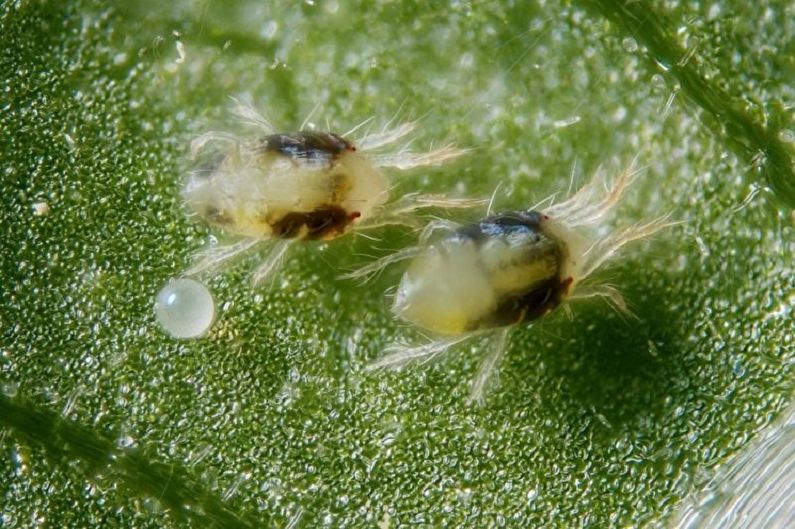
(508, 268)
(307, 185)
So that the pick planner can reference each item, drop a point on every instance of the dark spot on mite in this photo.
(324, 222)
(504, 224)
(530, 305)
(307, 145)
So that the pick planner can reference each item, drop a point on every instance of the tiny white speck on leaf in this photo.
(41, 209)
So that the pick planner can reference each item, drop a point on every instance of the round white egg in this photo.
(185, 308)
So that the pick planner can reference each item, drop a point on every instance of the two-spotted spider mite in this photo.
(308, 185)
(509, 268)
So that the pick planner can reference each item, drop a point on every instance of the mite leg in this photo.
(416, 201)
(209, 260)
(405, 160)
(583, 209)
(429, 228)
(380, 221)
(367, 272)
(305, 122)
(609, 293)
(271, 263)
(399, 213)
(348, 133)
(597, 210)
(400, 354)
(487, 368)
(435, 226)
(201, 141)
(385, 137)
(248, 114)
(607, 247)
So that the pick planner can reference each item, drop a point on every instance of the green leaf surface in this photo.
(271, 419)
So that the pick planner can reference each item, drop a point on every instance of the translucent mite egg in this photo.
(509, 268)
(278, 188)
(185, 308)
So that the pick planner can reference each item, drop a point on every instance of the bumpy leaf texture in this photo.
(271, 419)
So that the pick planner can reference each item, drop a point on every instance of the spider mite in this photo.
(509, 268)
(278, 188)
